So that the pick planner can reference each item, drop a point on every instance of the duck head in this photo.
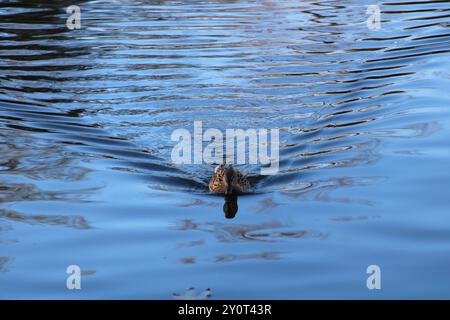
(226, 173)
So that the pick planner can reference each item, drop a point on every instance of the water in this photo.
(87, 179)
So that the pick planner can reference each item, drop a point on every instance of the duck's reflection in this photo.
(230, 207)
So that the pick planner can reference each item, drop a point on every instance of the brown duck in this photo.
(228, 180)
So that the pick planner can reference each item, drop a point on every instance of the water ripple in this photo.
(118, 87)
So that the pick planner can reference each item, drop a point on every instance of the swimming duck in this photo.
(228, 180)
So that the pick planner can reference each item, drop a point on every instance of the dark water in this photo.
(87, 179)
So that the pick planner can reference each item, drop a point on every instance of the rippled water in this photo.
(87, 178)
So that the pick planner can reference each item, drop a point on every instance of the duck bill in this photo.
(229, 182)
(229, 189)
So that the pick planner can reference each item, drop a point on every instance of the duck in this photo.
(228, 180)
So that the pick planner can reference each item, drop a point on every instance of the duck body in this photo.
(228, 180)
